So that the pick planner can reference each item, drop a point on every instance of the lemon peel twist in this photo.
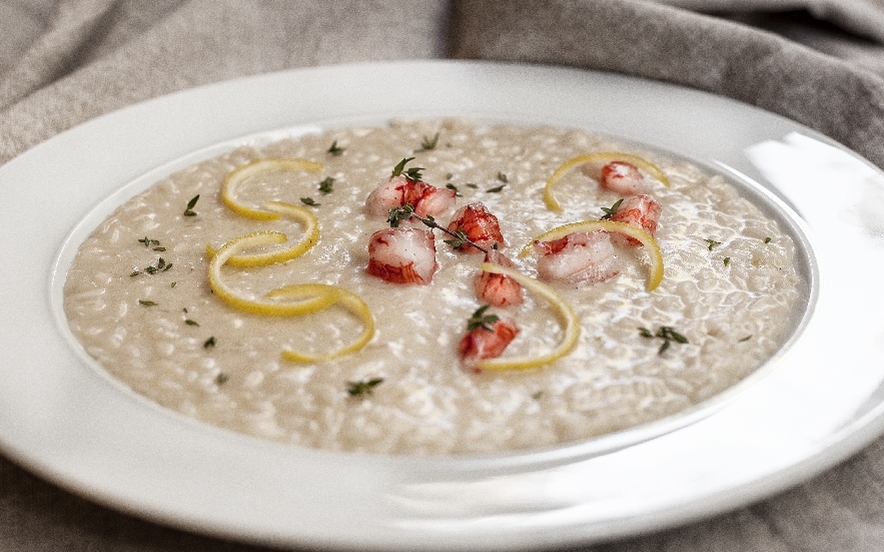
(606, 156)
(318, 299)
(240, 174)
(570, 325)
(345, 298)
(655, 276)
(308, 239)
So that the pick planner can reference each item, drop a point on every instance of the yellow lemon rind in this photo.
(347, 299)
(308, 239)
(655, 275)
(317, 301)
(239, 174)
(570, 323)
(565, 168)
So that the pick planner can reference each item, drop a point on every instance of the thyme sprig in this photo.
(405, 212)
(667, 334)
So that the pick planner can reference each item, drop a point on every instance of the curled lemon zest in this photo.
(240, 174)
(570, 323)
(318, 299)
(347, 299)
(655, 275)
(608, 156)
(308, 239)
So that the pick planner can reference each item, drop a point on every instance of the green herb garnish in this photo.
(221, 378)
(428, 143)
(452, 187)
(310, 202)
(334, 149)
(209, 342)
(481, 320)
(459, 238)
(609, 211)
(364, 387)
(189, 212)
(712, 243)
(147, 303)
(413, 174)
(152, 243)
(325, 187)
(667, 334)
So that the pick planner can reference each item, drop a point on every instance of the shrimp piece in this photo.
(486, 341)
(479, 224)
(621, 177)
(640, 211)
(397, 191)
(403, 255)
(498, 289)
(578, 257)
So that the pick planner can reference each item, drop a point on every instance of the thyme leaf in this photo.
(310, 202)
(189, 212)
(209, 342)
(147, 303)
(712, 243)
(221, 378)
(609, 211)
(364, 387)
(413, 174)
(326, 186)
(452, 187)
(428, 143)
(459, 240)
(335, 150)
(481, 320)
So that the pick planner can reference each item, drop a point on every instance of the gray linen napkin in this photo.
(66, 62)
(661, 42)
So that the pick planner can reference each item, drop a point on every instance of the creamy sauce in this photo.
(730, 286)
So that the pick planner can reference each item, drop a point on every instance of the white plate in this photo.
(820, 400)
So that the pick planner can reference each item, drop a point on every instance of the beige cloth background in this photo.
(820, 62)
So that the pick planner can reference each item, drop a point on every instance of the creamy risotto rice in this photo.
(138, 299)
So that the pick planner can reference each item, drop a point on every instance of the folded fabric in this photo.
(99, 55)
(661, 42)
(861, 17)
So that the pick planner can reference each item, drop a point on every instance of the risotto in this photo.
(138, 297)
